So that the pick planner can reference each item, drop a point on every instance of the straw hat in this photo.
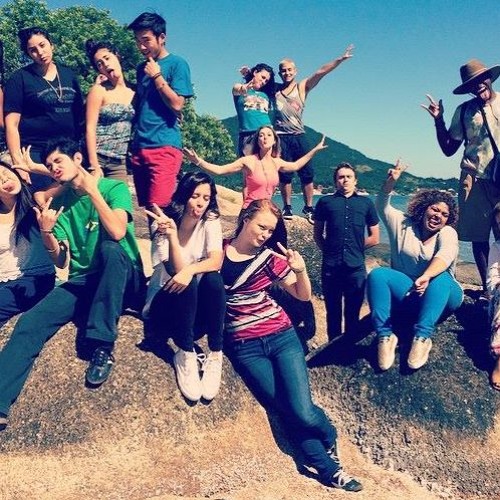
(473, 72)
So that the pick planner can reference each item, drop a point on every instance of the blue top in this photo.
(253, 110)
(157, 124)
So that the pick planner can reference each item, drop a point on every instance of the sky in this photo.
(403, 50)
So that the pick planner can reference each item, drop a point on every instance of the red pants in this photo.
(155, 174)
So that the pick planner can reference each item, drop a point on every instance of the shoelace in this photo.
(341, 477)
(102, 357)
(208, 364)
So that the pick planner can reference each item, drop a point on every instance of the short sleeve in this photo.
(13, 94)
(319, 211)
(180, 80)
(456, 128)
(372, 218)
(214, 235)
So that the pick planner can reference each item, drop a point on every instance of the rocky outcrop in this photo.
(137, 438)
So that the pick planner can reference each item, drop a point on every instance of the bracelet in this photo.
(47, 231)
(155, 76)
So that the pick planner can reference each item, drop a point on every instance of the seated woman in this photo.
(421, 279)
(493, 283)
(26, 270)
(253, 101)
(186, 290)
(109, 113)
(260, 168)
(262, 344)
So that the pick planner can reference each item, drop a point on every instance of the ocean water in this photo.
(397, 201)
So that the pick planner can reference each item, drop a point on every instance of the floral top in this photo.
(114, 128)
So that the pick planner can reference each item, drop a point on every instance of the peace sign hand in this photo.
(165, 224)
(294, 259)
(435, 109)
(46, 216)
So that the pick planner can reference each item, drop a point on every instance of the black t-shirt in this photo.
(345, 222)
(45, 113)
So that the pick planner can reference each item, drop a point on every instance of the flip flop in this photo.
(3, 423)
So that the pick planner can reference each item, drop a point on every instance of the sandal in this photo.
(3, 423)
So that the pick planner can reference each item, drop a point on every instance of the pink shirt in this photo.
(259, 184)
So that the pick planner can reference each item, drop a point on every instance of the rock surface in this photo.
(413, 435)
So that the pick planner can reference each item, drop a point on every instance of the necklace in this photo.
(268, 185)
(57, 91)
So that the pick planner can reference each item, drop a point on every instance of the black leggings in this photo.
(186, 316)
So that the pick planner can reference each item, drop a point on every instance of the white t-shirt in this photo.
(206, 238)
(408, 253)
(24, 258)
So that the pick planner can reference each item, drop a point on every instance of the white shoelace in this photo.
(342, 477)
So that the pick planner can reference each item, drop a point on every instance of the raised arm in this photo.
(212, 168)
(297, 283)
(309, 83)
(168, 95)
(293, 166)
(448, 145)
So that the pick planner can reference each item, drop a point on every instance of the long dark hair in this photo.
(270, 87)
(24, 215)
(185, 189)
(91, 47)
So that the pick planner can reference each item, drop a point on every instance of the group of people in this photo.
(67, 205)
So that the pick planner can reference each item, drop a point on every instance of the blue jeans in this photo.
(275, 371)
(388, 287)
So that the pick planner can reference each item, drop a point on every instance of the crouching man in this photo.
(89, 225)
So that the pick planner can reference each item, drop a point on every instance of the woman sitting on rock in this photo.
(262, 344)
(186, 293)
(26, 270)
(260, 169)
(421, 279)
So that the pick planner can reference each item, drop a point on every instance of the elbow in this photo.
(118, 234)
(177, 105)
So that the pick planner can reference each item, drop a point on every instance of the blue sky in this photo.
(404, 49)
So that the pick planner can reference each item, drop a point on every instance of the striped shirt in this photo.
(251, 311)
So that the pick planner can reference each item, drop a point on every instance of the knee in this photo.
(111, 250)
(213, 281)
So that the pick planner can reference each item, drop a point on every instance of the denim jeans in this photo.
(387, 287)
(97, 297)
(21, 294)
(274, 369)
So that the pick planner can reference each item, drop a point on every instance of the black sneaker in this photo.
(100, 367)
(309, 214)
(340, 479)
(287, 212)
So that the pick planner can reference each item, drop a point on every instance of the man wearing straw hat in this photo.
(477, 194)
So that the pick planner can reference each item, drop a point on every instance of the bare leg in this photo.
(307, 192)
(286, 193)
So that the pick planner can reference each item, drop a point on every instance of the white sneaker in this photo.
(387, 351)
(212, 373)
(188, 377)
(419, 353)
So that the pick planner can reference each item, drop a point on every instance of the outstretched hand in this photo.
(165, 224)
(46, 216)
(321, 144)
(191, 155)
(348, 52)
(294, 259)
(434, 108)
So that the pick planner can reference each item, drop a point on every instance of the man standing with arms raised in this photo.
(163, 85)
(477, 194)
(290, 101)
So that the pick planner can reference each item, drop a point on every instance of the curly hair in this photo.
(420, 201)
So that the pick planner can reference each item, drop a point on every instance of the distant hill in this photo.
(371, 173)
